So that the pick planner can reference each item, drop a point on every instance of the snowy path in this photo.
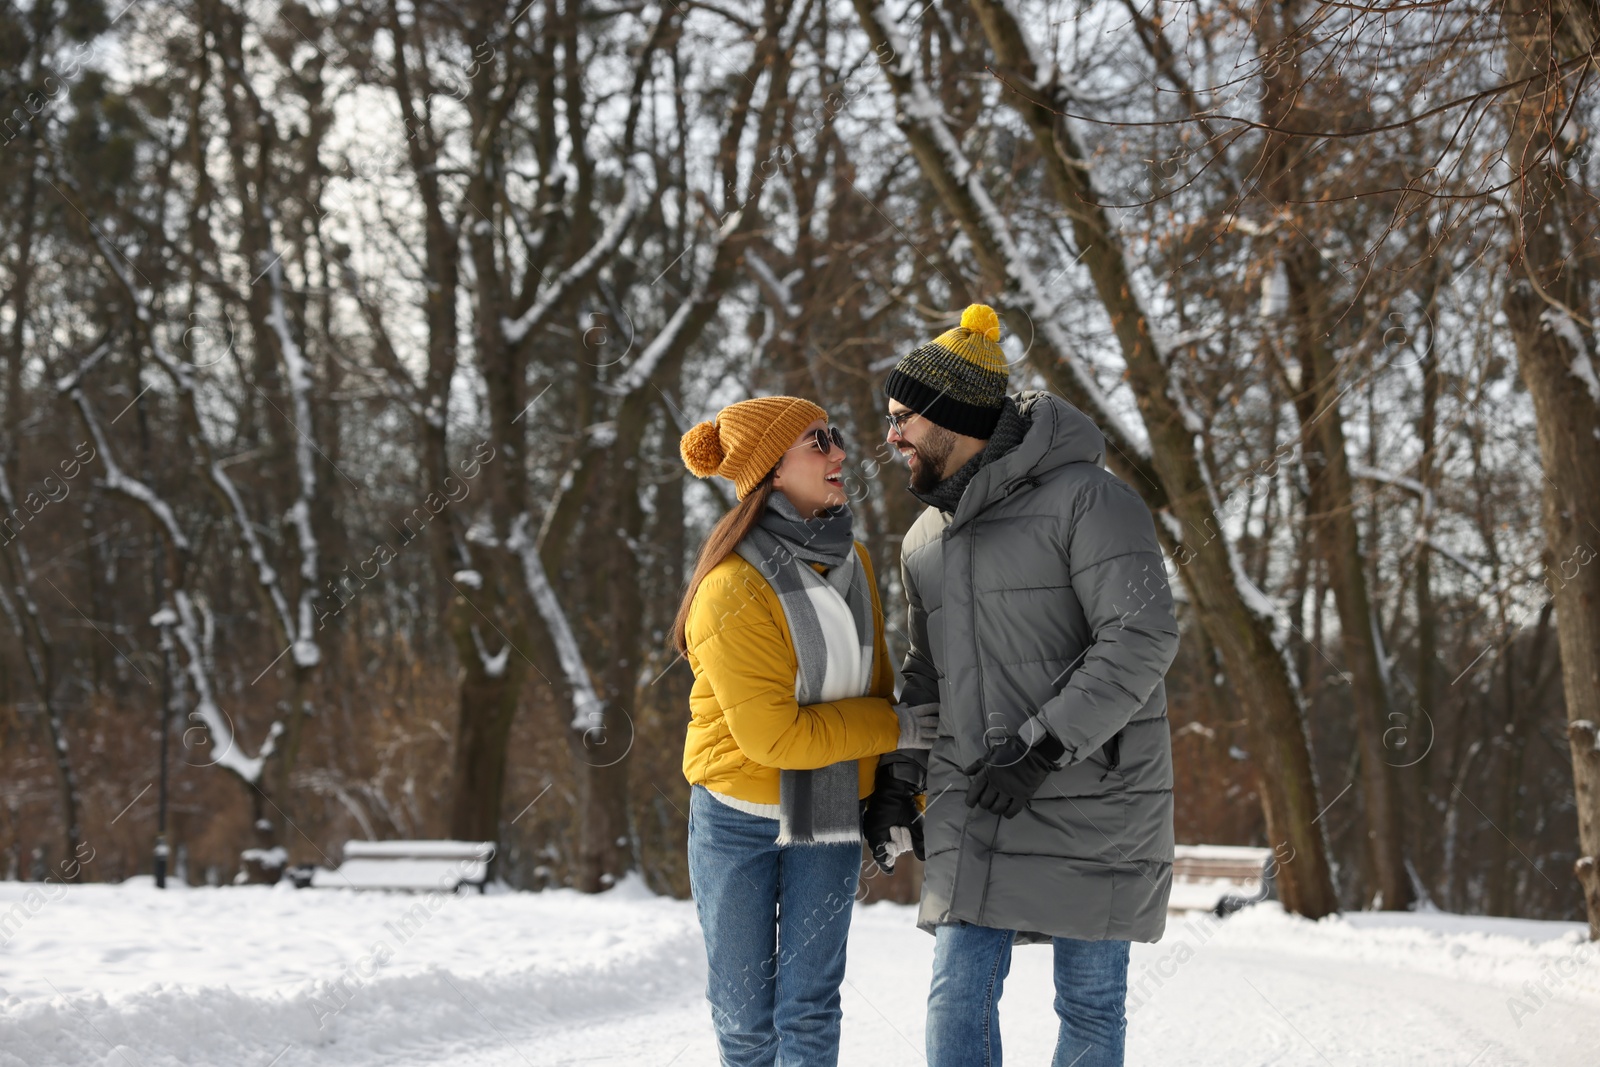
(1226, 1007)
(128, 977)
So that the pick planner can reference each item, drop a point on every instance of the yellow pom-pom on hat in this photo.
(746, 440)
(701, 449)
(981, 318)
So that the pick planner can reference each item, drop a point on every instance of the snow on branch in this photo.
(1562, 324)
(778, 289)
(306, 653)
(266, 574)
(65, 386)
(516, 329)
(638, 375)
(494, 664)
(588, 711)
(1411, 485)
(298, 373)
(118, 481)
(225, 747)
(644, 368)
(1464, 563)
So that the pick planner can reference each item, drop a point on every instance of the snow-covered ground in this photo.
(127, 976)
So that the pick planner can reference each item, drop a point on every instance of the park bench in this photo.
(418, 866)
(1218, 878)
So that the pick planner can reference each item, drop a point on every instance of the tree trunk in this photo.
(1285, 168)
(602, 756)
(1337, 535)
(488, 705)
(1426, 711)
(1552, 286)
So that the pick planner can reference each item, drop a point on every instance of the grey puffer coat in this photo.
(1045, 594)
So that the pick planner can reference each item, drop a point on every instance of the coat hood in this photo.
(1058, 434)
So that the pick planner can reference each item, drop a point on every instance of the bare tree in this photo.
(1550, 306)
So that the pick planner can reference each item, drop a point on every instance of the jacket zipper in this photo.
(983, 717)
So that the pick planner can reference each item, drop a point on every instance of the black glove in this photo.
(1006, 778)
(892, 806)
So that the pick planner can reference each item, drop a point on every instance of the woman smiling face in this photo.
(813, 480)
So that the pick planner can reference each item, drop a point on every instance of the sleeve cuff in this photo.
(1037, 735)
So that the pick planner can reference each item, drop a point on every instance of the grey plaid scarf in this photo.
(830, 622)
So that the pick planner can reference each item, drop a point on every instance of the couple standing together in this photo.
(1027, 758)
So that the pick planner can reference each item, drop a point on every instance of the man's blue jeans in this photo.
(970, 964)
(775, 922)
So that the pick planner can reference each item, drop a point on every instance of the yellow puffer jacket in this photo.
(746, 725)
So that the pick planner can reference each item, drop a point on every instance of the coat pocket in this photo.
(1088, 778)
(1110, 754)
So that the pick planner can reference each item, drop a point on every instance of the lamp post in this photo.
(159, 862)
(164, 619)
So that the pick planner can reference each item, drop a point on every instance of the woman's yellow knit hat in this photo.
(958, 379)
(747, 439)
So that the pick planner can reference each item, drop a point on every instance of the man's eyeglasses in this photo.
(824, 439)
(897, 421)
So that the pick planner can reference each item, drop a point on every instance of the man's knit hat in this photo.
(957, 380)
(747, 439)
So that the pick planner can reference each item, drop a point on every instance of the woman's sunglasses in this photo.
(824, 439)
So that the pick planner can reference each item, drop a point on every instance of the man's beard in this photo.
(931, 456)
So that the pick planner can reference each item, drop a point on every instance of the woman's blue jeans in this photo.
(775, 922)
(970, 964)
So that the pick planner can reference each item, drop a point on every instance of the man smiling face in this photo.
(924, 446)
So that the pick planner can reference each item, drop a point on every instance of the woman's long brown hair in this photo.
(718, 546)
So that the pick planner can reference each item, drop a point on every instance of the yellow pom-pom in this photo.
(702, 449)
(980, 318)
